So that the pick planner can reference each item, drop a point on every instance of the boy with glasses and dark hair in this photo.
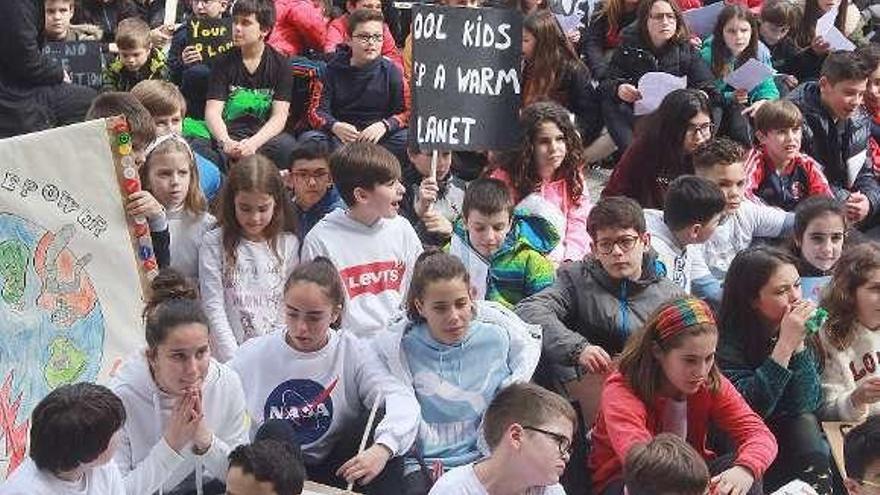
(595, 304)
(529, 431)
(309, 179)
(861, 457)
(365, 96)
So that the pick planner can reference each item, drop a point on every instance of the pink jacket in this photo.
(574, 241)
(299, 24)
(337, 32)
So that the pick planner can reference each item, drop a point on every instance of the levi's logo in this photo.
(373, 278)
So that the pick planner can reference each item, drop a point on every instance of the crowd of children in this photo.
(319, 268)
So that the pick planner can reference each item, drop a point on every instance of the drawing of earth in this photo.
(51, 322)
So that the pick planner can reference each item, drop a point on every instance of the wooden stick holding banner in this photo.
(434, 156)
(170, 12)
(367, 431)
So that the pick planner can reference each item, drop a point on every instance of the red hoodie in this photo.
(299, 24)
(624, 420)
(873, 108)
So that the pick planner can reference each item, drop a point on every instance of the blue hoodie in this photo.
(362, 95)
(308, 218)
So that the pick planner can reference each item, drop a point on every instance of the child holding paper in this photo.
(659, 41)
(814, 48)
(734, 43)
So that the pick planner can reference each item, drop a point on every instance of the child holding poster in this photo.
(546, 177)
(851, 378)
(817, 241)
(244, 263)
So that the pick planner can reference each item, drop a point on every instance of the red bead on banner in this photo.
(150, 265)
(131, 186)
(140, 230)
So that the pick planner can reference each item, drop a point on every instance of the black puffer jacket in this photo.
(838, 152)
(634, 58)
(104, 15)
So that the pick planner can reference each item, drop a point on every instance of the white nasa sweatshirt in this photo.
(323, 392)
(246, 300)
(146, 460)
(375, 262)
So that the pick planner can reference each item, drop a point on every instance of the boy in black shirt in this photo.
(250, 89)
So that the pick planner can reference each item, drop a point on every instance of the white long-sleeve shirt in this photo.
(146, 460)
(187, 232)
(323, 392)
(246, 300)
(375, 262)
(845, 370)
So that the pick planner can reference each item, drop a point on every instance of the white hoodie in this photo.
(323, 392)
(677, 260)
(247, 300)
(29, 480)
(375, 262)
(845, 370)
(146, 460)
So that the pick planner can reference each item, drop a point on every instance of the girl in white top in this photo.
(323, 380)
(171, 175)
(184, 411)
(851, 336)
(244, 263)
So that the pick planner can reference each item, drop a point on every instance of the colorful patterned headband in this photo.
(681, 314)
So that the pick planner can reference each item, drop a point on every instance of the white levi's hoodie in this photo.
(247, 300)
(323, 393)
(147, 462)
(375, 261)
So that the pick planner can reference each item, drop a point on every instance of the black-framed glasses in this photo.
(562, 442)
(706, 129)
(368, 38)
(626, 243)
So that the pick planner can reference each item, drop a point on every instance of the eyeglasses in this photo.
(204, 2)
(670, 16)
(317, 175)
(562, 442)
(705, 129)
(368, 38)
(626, 243)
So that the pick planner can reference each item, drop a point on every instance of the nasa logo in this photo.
(306, 404)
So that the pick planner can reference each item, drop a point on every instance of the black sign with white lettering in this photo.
(466, 77)
(82, 60)
(211, 37)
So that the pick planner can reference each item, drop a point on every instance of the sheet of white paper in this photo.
(477, 268)
(702, 21)
(826, 22)
(749, 75)
(837, 40)
(570, 13)
(854, 165)
(654, 86)
(569, 23)
(170, 12)
(796, 487)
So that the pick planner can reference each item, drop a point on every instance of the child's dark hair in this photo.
(870, 55)
(524, 172)
(666, 329)
(721, 54)
(132, 33)
(781, 12)
(643, 12)
(812, 208)
(526, 404)
(666, 464)
(364, 165)
(254, 173)
(263, 11)
(73, 425)
(806, 28)
(861, 447)
(322, 272)
(691, 200)
(311, 149)
(360, 16)
(140, 122)
(172, 301)
(273, 462)
(842, 66)
(718, 151)
(661, 134)
(616, 212)
(777, 115)
(432, 266)
(487, 196)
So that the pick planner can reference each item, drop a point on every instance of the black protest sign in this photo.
(82, 60)
(211, 37)
(466, 77)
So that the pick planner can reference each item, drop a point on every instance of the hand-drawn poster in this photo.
(72, 267)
